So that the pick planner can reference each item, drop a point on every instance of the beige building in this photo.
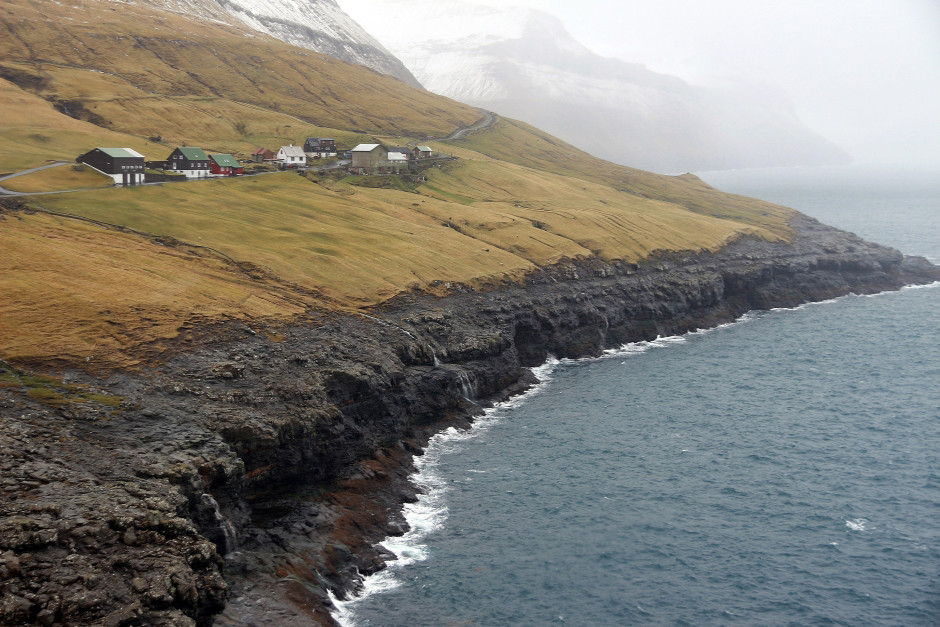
(376, 159)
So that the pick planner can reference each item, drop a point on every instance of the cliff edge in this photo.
(241, 479)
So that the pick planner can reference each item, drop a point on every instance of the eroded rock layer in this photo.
(241, 479)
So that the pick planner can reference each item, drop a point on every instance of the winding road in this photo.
(10, 192)
(489, 119)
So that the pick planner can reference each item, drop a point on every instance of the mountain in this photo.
(211, 391)
(199, 78)
(523, 63)
(319, 25)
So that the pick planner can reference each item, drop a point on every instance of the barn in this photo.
(124, 165)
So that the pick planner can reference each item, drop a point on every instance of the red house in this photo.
(262, 154)
(224, 165)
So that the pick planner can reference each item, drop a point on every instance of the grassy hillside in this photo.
(134, 69)
(477, 222)
(32, 131)
(61, 177)
(74, 291)
(518, 142)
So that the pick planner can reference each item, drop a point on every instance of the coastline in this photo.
(304, 446)
(427, 515)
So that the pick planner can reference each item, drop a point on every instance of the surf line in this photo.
(429, 513)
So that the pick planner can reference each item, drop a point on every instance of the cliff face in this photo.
(274, 458)
(319, 25)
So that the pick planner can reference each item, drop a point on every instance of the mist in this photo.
(863, 74)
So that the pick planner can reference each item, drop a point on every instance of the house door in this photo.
(123, 178)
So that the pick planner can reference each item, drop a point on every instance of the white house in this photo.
(292, 156)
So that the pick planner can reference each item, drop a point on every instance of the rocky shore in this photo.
(238, 480)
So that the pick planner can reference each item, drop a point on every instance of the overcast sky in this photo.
(863, 73)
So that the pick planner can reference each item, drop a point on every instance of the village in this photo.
(126, 166)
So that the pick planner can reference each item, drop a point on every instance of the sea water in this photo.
(781, 470)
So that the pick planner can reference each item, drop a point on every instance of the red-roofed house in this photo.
(260, 155)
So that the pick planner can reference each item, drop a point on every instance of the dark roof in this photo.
(225, 161)
(261, 151)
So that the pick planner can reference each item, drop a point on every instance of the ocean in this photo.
(780, 470)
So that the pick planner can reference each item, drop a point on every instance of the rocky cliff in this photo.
(319, 25)
(247, 475)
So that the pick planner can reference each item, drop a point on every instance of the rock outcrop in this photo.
(255, 471)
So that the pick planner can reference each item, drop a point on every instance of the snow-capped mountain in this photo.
(319, 25)
(523, 63)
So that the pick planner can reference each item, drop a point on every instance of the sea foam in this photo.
(429, 513)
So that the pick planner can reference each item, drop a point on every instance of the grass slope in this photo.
(477, 222)
(32, 131)
(62, 177)
(135, 69)
(75, 292)
(72, 291)
(517, 142)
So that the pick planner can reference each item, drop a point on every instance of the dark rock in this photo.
(291, 459)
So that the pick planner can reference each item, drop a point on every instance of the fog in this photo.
(865, 74)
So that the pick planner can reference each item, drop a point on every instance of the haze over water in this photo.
(781, 470)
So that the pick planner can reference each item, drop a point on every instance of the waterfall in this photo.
(229, 540)
(467, 388)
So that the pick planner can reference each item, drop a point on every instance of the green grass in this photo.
(52, 391)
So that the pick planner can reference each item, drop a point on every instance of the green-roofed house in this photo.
(124, 165)
(190, 160)
(422, 152)
(225, 165)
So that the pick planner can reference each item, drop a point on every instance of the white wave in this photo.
(429, 513)
(545, 370)
(638, 348)
(858, 524)
(810, 304)
(341, 613)
(920, 287)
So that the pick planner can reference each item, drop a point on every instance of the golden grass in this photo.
(73, 291)
(518, 198)
(350, 243)
(58, 178)
(149, 72)
(32, 131)
(544, 217)
(517, 142)
(474, 222)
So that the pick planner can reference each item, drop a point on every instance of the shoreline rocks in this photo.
(240, 481)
